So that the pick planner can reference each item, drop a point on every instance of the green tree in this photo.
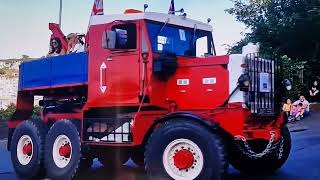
(286, 26)
(36, 112)
(283, 27)
(8, 112)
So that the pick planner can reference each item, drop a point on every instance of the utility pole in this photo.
(60, 13)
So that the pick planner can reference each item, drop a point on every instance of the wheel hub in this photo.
(27, 149)
(65, 150)
(62, 151)
(183, 159)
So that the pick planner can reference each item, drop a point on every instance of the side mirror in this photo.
(287, 84)
(109, 39)
(244, 82)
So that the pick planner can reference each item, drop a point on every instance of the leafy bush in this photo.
(294, 70)
(8, 112)
(36, 112)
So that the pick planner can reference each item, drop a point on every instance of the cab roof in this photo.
(153, 16)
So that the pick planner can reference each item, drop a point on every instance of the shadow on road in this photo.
(98, 172)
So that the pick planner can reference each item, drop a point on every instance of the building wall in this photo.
(8, 82)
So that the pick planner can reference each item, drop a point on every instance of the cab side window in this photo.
(126, 36)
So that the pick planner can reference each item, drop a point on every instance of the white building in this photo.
(9, 83)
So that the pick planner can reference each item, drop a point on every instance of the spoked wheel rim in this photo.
(62, 151)
(183, 159)
(25, 149)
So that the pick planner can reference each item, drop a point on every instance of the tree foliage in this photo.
(292, 70)
(282, 27)
(8, 112)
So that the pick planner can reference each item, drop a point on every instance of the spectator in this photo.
(314, 92)
(287, 107)
(305, 106)
(74, 45)
(56, 48)
(296, 112)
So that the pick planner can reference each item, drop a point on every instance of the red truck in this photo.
(152, 89)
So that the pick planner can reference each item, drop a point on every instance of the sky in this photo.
(24, 23)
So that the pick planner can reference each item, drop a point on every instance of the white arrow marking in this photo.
(102, 87)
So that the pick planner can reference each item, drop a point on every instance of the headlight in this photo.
(244, 82)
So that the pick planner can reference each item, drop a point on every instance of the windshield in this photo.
(181, 41)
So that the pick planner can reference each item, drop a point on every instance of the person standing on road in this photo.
(314, 92)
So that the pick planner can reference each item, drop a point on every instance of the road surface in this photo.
(303, 163)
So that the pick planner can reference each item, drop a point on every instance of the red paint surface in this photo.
(27, 149)
(123, 80)
(65, 150)
(183, 159)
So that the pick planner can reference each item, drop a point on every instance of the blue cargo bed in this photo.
(66, 70)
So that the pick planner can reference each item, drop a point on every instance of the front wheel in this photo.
(267, 164)
(62, 151)
(183, 149)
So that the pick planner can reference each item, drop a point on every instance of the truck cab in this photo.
(123, 49)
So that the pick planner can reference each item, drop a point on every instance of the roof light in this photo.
(132, 11)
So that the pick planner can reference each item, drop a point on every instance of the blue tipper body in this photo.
(56, 71)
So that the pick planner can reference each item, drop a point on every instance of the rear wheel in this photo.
(62, 150)
(266, 164)
(183, 149)
(27, 147)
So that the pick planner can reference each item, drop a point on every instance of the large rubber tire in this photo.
(62, 129)
(36, 130)
(112, 158)
(211, 148)
(265, 165)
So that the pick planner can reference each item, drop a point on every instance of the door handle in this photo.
(103, 81)
(109, 59)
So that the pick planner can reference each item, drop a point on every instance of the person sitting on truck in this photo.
(74, 45)
(56, 48)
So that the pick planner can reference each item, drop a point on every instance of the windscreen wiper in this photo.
(167, 21)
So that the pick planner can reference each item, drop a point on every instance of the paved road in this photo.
(303, 163)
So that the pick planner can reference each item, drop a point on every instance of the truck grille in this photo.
(108, 130)
(262, 91)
